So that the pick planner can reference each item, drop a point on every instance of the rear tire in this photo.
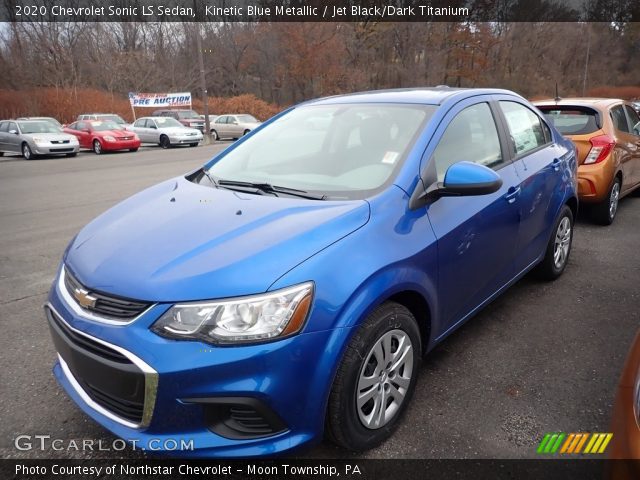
(165, 142)
(97, 147)
(375, 380)
(605, 212)
(1, 154)
(214, 135)
(26, 152)
(559, 247)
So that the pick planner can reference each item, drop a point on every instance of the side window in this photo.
(140, 123)
(527, 130)
(472, 136)
(619, 119)
(81, 125)
(4, 126)
(222, 119)
(13, 126)
(634, 118)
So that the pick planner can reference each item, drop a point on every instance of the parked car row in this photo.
(107, 132)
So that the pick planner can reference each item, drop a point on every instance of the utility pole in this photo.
(203, 81)
(586, 60)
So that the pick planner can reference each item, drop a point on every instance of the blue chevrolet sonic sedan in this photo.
(289, 288)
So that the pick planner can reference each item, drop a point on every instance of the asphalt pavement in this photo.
(544, 357)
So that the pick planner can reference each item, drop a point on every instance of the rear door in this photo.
(626, 147)
(634, 124)
(4, 133)
(221, 126)
(475, 234)
(540, 164)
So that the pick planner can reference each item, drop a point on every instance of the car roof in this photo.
(580, 101)
(421, 95)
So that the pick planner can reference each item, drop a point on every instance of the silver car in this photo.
(165, 131)
(35, 137)
(233, 126)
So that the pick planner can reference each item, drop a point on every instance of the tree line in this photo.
(284, 63)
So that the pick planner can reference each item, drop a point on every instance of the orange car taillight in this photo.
(601, 146)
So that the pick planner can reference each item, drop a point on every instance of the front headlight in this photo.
(39, 141)
(109, 138)
(242, 320)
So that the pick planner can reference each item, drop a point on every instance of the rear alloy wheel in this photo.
(605, 212)
(26, 152)
(375, 380)
(165, 142)
(97, 147)
(559, 247)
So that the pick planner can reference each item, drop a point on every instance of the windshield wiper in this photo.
(272, 189)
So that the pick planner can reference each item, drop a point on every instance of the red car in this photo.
(103, 136)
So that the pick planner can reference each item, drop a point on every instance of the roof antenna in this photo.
(557, 99)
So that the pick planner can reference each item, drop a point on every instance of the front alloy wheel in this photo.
(562, 243)
(97, 147)
(26, 152)
(375, 379)
(384, 379)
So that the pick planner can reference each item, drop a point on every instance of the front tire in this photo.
(26, 152)
(72, 154)
(375, 380)
(133, 149)
(165, 142)
(193, 144)
(605, 212)
(214, 135)
(559, 247)
(97, 147)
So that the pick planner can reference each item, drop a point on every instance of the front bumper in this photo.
(290, 378)
(120, 145)
(185, 139)
(55, 148)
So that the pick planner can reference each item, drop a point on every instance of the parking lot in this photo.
(543, 357)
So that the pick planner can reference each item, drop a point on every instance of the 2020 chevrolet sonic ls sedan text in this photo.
(290, 286)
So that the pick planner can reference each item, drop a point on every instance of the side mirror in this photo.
(235, 122)
(15, 132)
(86, 130)
(154, 127)
(464, 179)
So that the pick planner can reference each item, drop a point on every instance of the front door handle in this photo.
(512, 194)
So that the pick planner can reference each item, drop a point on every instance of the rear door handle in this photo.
(556, 164)
(512, 194)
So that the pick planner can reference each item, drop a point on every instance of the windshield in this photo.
(165, 122)
(341, 151)
(113, 118)
(189, 114)
(100, 126)
(246, 119)
(38, 127)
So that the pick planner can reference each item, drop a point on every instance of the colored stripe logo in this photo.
(574, 443)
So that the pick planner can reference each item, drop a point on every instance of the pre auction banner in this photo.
(181, 99)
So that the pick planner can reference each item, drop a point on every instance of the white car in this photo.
(165, 131)
(233, 126)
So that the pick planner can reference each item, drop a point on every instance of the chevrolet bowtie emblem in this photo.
(83, 298)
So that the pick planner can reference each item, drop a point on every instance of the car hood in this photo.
(113, 133)
(51, 136)
(179, 130)
(179, 241)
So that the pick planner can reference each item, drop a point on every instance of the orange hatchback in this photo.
(606, 133)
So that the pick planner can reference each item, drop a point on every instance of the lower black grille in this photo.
(107, 376)
(114, 307)
(128, 410)
(239, 417)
